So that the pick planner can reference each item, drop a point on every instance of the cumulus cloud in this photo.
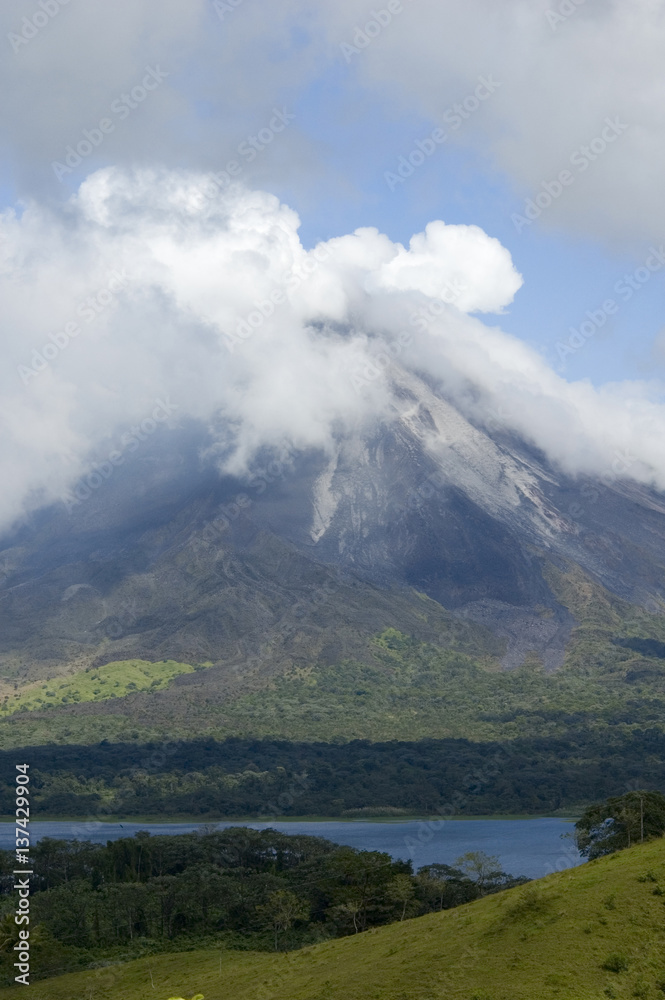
(151, 285)
(612, 432)
(170, 289)
(461, 264)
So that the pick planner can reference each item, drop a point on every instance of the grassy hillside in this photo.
(583, 934)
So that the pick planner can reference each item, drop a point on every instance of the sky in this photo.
(180, 163)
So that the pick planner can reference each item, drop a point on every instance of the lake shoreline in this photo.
(112, 819)
(524, 846)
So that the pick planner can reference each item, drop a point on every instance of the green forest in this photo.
(401, 688)
(268, 778)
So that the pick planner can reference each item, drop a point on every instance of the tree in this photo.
(351, 909)
(402, 890)
(282, 910)
(482, 868)
(360, 879)
(442, 886)
(620, 822)
(8, 932)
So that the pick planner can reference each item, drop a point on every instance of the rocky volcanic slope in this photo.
(308, 559)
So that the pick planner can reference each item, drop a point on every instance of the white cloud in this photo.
(157, 284)
(459, 264)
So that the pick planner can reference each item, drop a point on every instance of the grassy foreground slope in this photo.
(583, 934)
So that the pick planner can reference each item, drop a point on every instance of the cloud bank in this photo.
(177, 290)
(562, 68)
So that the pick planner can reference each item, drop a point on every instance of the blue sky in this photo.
(564, 274)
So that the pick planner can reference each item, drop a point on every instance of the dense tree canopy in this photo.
(267, 778)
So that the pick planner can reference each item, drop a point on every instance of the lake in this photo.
(532, 847)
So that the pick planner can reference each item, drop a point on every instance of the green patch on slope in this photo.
(113, 680)
(602, 617)
(584, 934)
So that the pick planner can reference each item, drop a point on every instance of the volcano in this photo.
(166, 558)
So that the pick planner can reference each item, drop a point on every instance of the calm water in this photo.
(532, 847)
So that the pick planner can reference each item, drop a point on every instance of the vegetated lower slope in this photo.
(397, 686)
(543, 740)
(584, 934)
(296, 614)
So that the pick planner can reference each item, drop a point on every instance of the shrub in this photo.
(615, 963)
(530, 903)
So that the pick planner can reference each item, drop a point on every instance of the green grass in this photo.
(555, 939)
(113, 680)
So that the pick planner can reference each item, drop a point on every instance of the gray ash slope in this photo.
(307, 560)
